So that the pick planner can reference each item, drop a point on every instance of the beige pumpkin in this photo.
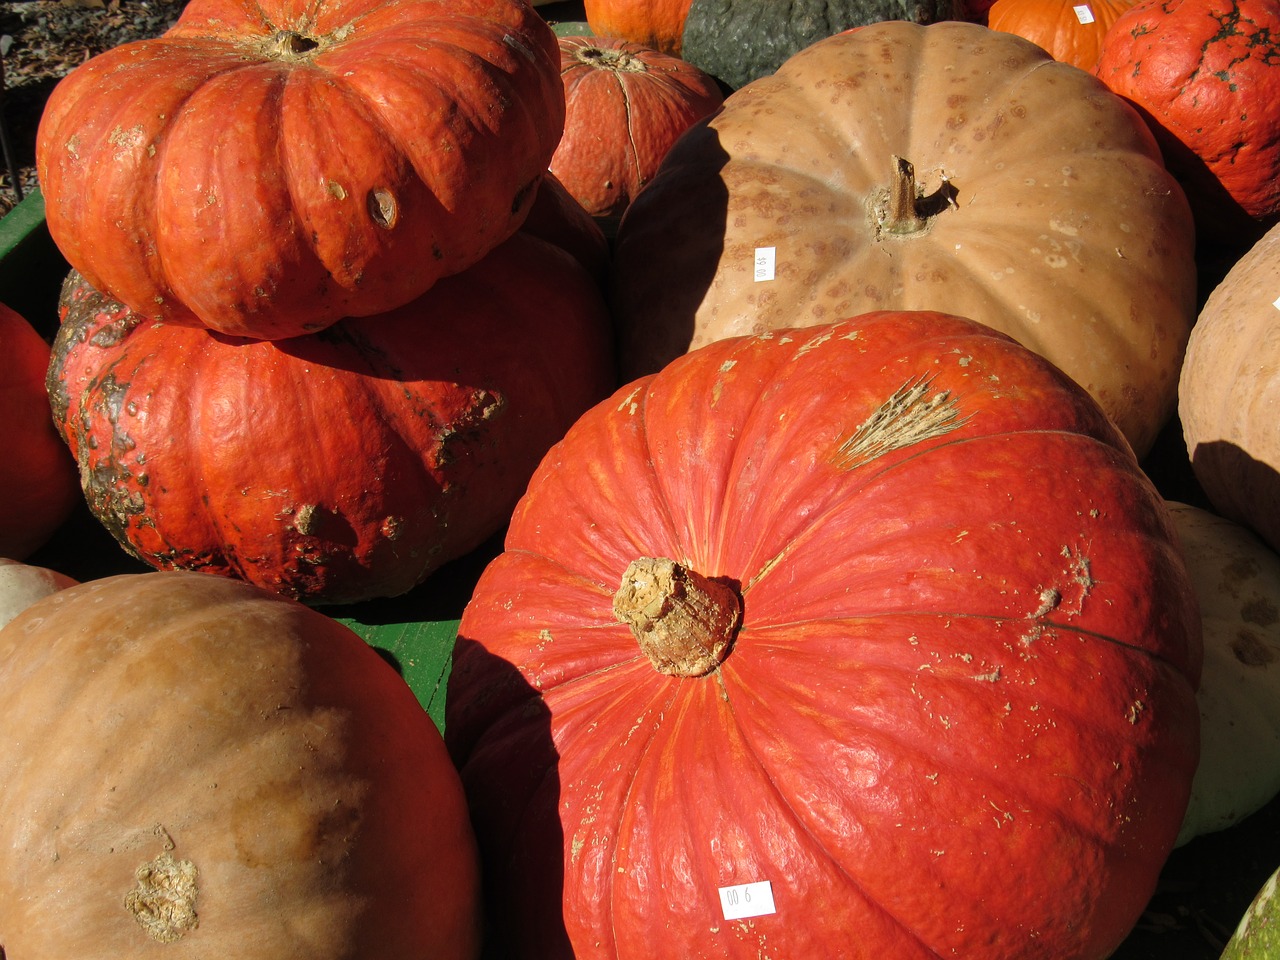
(1237, 579)
(945, 167)
(196, 769)
(1229, 392)
(22, 584)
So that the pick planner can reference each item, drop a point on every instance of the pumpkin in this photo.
(266, 169)
(1237, 579)
(340, 466)
(737, 41)
(196, 768)
(1205, 76)
(1230, 386)
(865, 618)
(625, 105)
(946, 167)
(1070, 30)
(22, 584)
(39, 478)
(652, 23)
(1257, 936)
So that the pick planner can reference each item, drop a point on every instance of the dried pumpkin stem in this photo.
(903, 209)
(684, 622)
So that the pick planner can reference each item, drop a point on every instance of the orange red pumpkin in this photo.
(1070, 30)
(652, 23)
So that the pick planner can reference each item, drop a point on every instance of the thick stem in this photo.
(609, 58)
(903, 209)
(684, 622)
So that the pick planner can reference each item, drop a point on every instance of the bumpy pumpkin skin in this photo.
(653, 23)
(958, 718)
(1229, 390)
(737, 41)
(181, 718)
(268, 169)
(625, 105)
(342, 466)
(1057, 222)
(1069, 30)
(38, 478)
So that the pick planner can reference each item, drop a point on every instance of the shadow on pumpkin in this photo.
(498, 731)
(696, 227)
(1240, 487)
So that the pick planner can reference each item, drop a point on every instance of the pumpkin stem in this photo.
(684, 622)
(288, 45)
(607, 58)
(903, 208)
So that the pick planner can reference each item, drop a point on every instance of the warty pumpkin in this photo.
(266, 169)
(874, 618)
(344, 465)
(39, 479)
(947, 167)
(195, 768)
(625, 105)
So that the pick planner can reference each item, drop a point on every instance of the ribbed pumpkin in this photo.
(194, 768)
(879, 618)
(625, 105)
(1070, 30)
(344, 465)
(1205, 74)
(266, 169)
(39, 479)
(947, 167)
(737, 41)
(1229, 390)
(653, 23)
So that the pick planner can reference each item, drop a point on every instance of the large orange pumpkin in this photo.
(653, 23)
(340, 466)
(899, 166)
(879, 618)
(266, 169)
(194, 768)
(1070, 30)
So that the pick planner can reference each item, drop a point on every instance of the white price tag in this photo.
(747, 900)
(764, 263)
(1083, 13)
(1276, 303)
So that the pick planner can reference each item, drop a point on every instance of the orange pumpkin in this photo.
(653, 23)
(1070, 30)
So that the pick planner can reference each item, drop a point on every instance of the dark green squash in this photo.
(737, 41)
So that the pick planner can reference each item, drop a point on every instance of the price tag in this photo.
(764, 263)
(1083, 13)
(1276, 303)
(747, 900)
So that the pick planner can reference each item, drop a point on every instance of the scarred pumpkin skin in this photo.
(957, 716)
(341, 466)
(1206, 75)
(1040, 205)
(1069, 30)
(38, 477)
(189, 728)
(653, 23)
(625, 105)
(268, 169)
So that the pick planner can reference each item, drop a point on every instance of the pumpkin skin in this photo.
(1205, 75)
(625, 105)
(1237, 580)
(341, 466)
(1069, 30)
(737, 41)
(162, 719)
(938, 542)
(1229, 388)
(1092, 268)
(22, 584)
(268, 169)
(658, 24)
(39, 479)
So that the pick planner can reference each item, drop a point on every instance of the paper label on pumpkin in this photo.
(1083, 13)
(764, 263)
(744, 900)
(1276, 303)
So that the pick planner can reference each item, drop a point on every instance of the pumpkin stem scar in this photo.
(164, 901)
(684, 622)
(911, 415)
(901, 209)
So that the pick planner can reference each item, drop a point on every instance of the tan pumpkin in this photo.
(944, 167)
(194, 768)
(1230, 388)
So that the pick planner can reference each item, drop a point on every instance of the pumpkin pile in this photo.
(817, 364)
